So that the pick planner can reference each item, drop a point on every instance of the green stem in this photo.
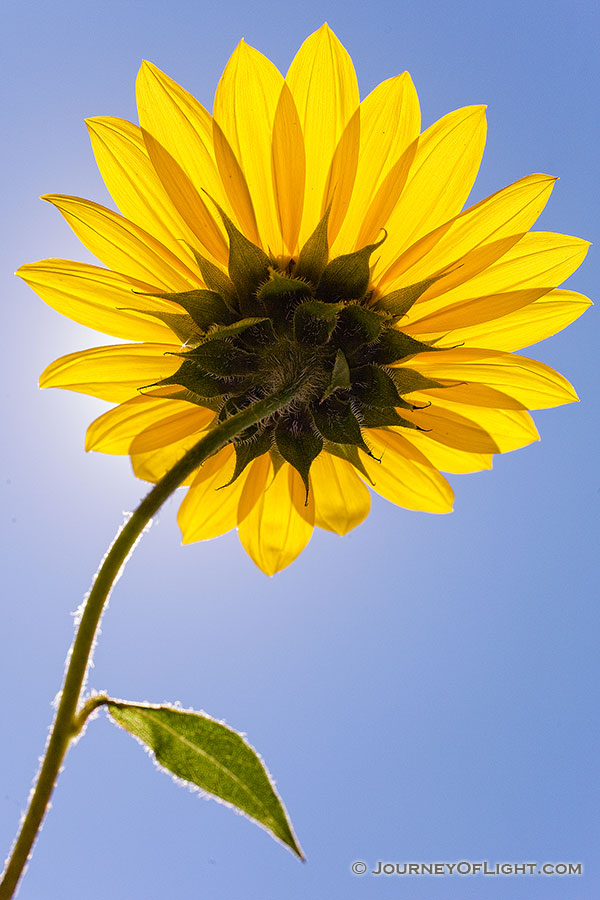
(68, 722)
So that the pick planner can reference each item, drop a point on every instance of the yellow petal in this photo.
(528, 381)
(475, 428)
(341, 500)
(539, 260)
(135, 187)
(235, 185)
(340, 178)
(123, 246)
(98, 298)
(405, 476)
(245, 104)
(209, 509)
(440, 180)
(112, 373)
(279, 526)
(116, 430)
(151, 466)
(288, 165)
(509, 212)
(447, 459)
(324, 87)
(389, 122)
(541, 319)
(178, 136)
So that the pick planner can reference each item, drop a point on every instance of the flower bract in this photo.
(301, 236)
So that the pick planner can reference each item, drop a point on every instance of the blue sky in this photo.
(422, 689)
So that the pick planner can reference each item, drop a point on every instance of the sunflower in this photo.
(301, 237)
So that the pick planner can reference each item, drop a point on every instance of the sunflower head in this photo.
(299, 237)
(312, 323)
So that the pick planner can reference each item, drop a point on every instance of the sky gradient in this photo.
(424, 689)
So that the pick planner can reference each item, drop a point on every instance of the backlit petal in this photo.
(405, 476)
(509, 212)
(98, 298)
(528, 325)
(123, 246)
(279, 526)
(245, 104)
(178, 136)
(447, 459)
(113, 373)
(389, 122)
(323, 83)
(441, 177)
(341, 499)
(117, 429)
(532, 383)
(135, 187)
(288, 163)
(210, 509)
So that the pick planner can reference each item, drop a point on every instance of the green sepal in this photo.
(340, 375)
(189, 376)
(229, 331)
(205, 308)
(408, 380)
(398, 303)
(275, 293)
(357, 328)
(248, 265)
(373, 386)
(183, 326)
(223, 358)
(217, 281)
(313, 257)
(336, 422)
(394, 345)
(203, 752)
(350, 454)
(213, 403)
(347, 277)
(380, 416)
(249, 450)
(276, 459)
(299, 444)
(314, 322)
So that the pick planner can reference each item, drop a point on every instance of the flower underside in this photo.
(310, 323)
(302, 239)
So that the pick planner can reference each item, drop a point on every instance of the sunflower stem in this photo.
(69, 721)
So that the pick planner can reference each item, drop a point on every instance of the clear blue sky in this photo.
(422, 689)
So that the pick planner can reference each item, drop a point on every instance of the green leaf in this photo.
(211, 756)
(340, 375)
(347, 277)
(315, 253)
(314, 322)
